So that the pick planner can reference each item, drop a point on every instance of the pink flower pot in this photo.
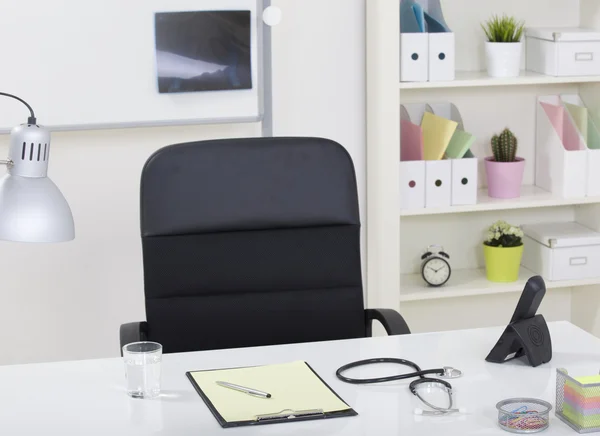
(504, 178)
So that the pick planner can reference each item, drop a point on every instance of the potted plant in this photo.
(504, 169)
(503, 47)
(503, 250)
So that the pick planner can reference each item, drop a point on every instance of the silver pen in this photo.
(245, 390)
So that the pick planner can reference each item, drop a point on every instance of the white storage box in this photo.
(562, 251)
(563, 51)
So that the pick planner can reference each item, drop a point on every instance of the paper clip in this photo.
(290, 414)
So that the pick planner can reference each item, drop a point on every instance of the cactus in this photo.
(504, 146)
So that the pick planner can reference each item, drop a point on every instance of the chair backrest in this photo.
(251, 242)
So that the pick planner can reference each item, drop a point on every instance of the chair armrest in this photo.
(133, 332)
(391, 320)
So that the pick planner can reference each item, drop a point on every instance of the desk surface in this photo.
(87, 397)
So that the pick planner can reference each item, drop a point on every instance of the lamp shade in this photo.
(32, 208)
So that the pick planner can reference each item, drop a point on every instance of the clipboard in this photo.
(274, 416)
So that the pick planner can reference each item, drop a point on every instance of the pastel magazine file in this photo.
(414, 112)
(437, 133)
(461, 141)
(588, 129)
(561, 155)
(412, 171)
(411, 141)
(464, 164)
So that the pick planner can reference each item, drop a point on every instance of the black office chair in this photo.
(251, 242)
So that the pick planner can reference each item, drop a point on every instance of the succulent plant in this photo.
(503, 234)
(504, 146)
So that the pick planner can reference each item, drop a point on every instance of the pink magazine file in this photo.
(566, 130)
(411, 141)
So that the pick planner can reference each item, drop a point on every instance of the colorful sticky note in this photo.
(589, 421)
(460, 143)
(437, 133)
(587, 379)
(411, 141)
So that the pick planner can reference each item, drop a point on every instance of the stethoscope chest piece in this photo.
(450, 372)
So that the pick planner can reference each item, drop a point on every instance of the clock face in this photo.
(436, 271)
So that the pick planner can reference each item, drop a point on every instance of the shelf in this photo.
(472, 282)
(465, 79)
(531, 197)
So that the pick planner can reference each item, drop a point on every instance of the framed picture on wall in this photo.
(203, 51)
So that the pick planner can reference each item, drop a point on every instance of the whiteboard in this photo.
(92, 64)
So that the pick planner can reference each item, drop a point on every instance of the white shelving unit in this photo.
(396, 238)
(472, 282)
(531, 197)
(467, 79)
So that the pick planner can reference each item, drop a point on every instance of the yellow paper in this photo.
(292, 386)
(437, 133)
(588, 379)
(580, 116)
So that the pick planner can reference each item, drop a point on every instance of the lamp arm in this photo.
(31, 119)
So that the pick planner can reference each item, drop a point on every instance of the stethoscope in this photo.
(445, 372)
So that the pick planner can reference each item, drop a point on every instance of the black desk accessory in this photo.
(527, 333)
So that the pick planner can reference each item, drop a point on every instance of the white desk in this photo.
(87, 397)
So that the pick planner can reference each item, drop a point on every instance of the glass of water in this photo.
(142, 368)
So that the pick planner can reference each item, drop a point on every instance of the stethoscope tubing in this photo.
(413, 385)
(436, 408)
(417, 373)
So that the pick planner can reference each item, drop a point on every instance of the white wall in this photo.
(320, 78)
(67, 301)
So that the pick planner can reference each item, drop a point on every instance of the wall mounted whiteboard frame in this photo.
(67, 66)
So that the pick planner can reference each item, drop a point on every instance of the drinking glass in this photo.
(142, 368)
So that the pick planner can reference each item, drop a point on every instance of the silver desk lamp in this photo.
(32, 208)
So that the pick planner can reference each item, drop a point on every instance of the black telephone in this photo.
(527, 334)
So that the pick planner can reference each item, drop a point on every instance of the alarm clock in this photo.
(435, 268)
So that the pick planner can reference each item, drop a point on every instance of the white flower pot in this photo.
(503, 58)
